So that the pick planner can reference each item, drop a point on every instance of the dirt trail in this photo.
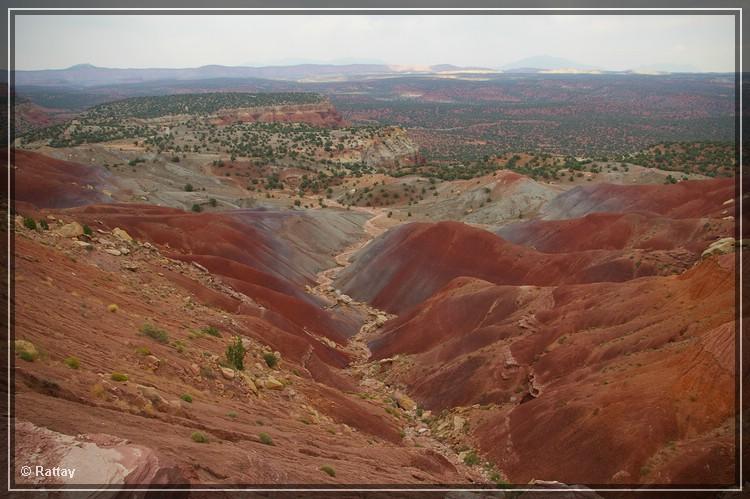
(416, 430)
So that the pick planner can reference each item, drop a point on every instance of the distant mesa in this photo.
(546, 63)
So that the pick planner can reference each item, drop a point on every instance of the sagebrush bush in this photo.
(211, 330)
(155, 333)
(265, 438)
(236, 354)
(328, 470)
(72, 362)
(471, 458)
(199, 437)
(270, 359)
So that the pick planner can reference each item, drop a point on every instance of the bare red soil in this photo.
(62, 293)
(51, 183)
(244, 249)
(409, 263)
(617, 379)
(617, 231)
(688, 199)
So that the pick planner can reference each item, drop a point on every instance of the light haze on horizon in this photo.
(694, 42)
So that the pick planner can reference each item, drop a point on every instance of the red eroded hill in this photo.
(410, 262)
(100, 380)
(268, 256)
(617, 231)
(688, 199)
(52, 183)
(596, 383)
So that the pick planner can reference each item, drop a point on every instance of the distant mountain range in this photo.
(547, 63)
(87, 75)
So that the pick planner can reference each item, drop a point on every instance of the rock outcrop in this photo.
(89, 459)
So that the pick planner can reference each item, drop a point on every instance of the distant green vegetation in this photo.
(707, 158)
(195, 104)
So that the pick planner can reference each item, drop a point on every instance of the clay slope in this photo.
(597, 383)
(617, 231)
(142, 409)
(52, 183)
(688, 199)
(268, 256)
(410, 262)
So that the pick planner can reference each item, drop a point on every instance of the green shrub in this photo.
(27, 356)
(236, 354)
(43, 224)
(119, 377)
(265, 438)
(143, 351)
(29, 223)
(471, 458)
(72, 362)
(87, 230)
(197, 208)
(211, 330)
(199, 437)
(188, 187)
(155, 333)
(187, 398)
(232, 414)
(328, 470)
(213, 202)
(179, 346)
(270, 359)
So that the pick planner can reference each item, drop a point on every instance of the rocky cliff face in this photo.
(392, 147)
(318, 114)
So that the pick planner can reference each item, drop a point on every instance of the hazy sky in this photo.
(703, 43)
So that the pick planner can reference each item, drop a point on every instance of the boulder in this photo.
(73, 229)
(113, 251)
(96, 458)
(272, 383)
(458, 423)
(133, 267)
(122, 235)
(250, 382)
(26, 346)
(152, 361)
(720, 247)
(404, 401)
(227, 373)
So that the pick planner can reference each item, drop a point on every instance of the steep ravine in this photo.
(416, 429)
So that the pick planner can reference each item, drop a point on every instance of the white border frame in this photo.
(738, 372)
